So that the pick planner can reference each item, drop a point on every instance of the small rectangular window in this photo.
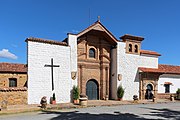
(12, 82)
(167, 88)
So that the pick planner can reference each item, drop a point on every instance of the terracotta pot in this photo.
(76, 101)
(120, 99)
(53, 102)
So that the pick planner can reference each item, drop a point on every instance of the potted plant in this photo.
(75, 94)
(120, 92)
(178, 94)
(53, 99)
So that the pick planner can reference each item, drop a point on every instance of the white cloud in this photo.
(75, 31)
(14, 45)
(4, 53)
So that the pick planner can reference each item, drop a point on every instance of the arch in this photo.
(149, 89)
(136, 49)
(91, 53)
(130, 47)
(92, 89)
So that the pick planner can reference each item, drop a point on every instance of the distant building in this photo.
(168, 79)
(13, 83)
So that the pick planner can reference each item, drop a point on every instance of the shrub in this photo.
(120, 92)
(75, 92)
(178, 91)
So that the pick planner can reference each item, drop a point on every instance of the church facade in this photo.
(96, 62)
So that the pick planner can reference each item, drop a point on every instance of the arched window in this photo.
(136, 49)
(130, 47)
(92, 53)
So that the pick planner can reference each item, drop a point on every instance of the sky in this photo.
(158, 21)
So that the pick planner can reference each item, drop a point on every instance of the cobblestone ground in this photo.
(169, 111)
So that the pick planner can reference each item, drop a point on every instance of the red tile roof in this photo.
(13, 68)
(131, 37)
(167, 83)
(46, 41)
(162, 69)
(149, 52)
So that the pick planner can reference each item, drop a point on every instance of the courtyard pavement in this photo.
(159, 111)
(91, 103)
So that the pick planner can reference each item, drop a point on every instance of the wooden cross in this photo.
(52, 66)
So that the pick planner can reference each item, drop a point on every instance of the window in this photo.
(92, 53)
(12, 82)
(130, 47)
(167, 88)
(136, 49)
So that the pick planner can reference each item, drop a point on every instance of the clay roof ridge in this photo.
(88, 27)
(170, 65)
(163, 69)
(12, 63)
(150, 52)
(13, 67)
(41, 40)
(102, 26)
(133, 37)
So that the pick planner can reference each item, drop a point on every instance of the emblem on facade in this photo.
(73, 75)
(119, 77)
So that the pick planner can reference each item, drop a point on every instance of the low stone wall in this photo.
(165, 95)
(13, 96)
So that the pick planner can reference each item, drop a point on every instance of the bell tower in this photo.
(133, 43)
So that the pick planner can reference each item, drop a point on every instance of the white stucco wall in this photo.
(174, 79)
(72, 42)
(39, 77)
(127, 66)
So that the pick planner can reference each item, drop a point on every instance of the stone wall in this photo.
(164, 95)
(13, 96)
(21, 79)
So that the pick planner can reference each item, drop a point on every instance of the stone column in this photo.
(101, 81)
(107, 81)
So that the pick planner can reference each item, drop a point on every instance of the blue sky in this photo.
(158, 21)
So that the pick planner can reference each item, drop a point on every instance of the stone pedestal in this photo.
(155, 100)
(135, 101)
(172, 98)
(106, 98)
(83, 102)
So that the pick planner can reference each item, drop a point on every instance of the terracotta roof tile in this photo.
(46, 41)
(162, 69)
(131, 37)
(13, 67)
(149, 52)
(167, 83)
